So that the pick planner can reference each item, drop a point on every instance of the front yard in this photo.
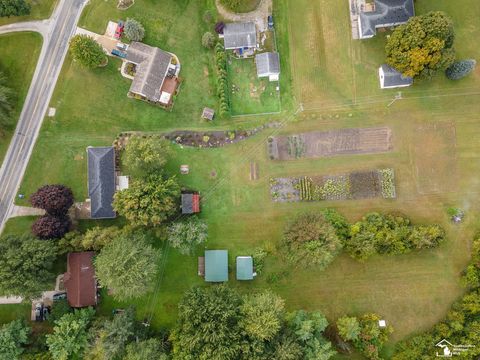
(18, 57)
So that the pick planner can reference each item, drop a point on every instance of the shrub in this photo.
(348, 328)
(208, 40)
(460, 69)
(310, 240)
(222, 82)
(54, 199)
(51, 227)
(134, 30)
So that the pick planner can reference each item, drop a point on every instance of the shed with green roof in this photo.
(245, 268)
(216, 265)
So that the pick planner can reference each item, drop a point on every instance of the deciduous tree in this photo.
(146, 155)
(207, 326)
(310, 240)
(70, 335)
(127, 266)
(54, 199)
(13, 336)
(146, 349)
(118, 333)
(262, 315)
(6, 99)
(423, 46)
(14, 8)
(26, 265)
(348, 328)
(148, 201)
(87, 51)
(51, 227)
(187, 234)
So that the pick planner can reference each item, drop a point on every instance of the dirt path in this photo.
(259, 16)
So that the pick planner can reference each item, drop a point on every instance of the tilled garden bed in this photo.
(355, 185)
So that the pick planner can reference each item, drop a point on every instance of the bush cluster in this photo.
(222, 80)
(56, 200)
(387, 234)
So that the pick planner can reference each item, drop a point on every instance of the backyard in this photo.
(248, 93)
(330, 72)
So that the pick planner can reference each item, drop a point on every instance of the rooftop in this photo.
(190, 203)
(152, 66)
(244, 268)
(101, 181)
(267, 64)
(240, 35)
(216, 265)
(79, 280)
(387, 13)
(392, 78)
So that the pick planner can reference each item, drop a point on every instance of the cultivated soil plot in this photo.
(330, 143)
(355, 185)
(435, 158)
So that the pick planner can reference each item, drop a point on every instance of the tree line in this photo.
(314, 239)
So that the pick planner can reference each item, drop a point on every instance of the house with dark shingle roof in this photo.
(384, 14)
(156, 73)
(79, 280)
(268, 65)
(101, 181)
(390, 78)
(240, 36)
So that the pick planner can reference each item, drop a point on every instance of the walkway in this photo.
(258, 16)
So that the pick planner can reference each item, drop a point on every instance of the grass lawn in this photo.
(242, 6)
(18, 57)
(248, 93)
(435, 154)
(41, 9)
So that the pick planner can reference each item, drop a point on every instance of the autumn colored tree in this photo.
(423, 46)
(51, 227)
(54, 199)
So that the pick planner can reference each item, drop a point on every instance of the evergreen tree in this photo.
(460, 69)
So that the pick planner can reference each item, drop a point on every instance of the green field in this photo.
(435, 156)
(41, 9)
(19, 53)
(248, 93)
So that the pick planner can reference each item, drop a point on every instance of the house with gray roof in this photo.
(156, 73)
(383, 14)
(101, 181)
(268, 65)
(391, 78)
(240, 36)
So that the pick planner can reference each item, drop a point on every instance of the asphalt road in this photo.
(56, 33)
